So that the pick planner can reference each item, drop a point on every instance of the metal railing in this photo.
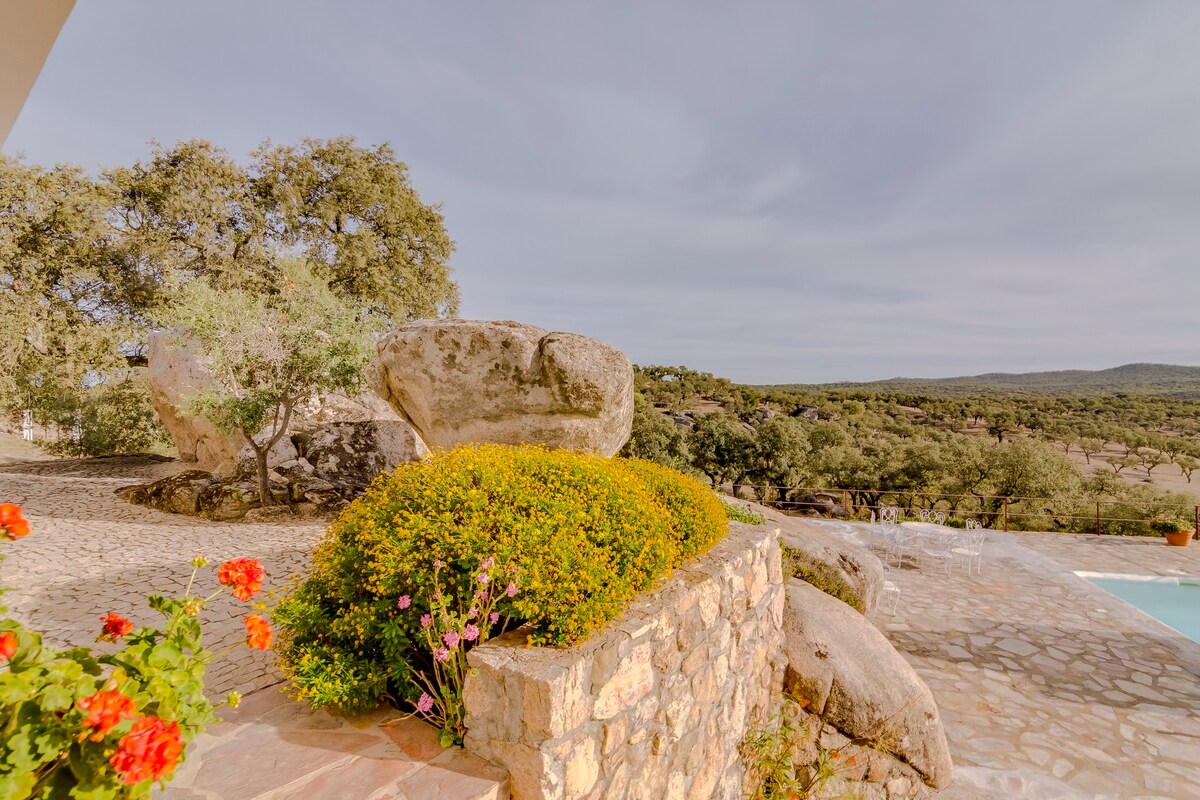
(1080, 515)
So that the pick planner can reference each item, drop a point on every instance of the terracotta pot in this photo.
(1178, 538)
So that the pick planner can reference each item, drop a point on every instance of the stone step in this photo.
(271, 748)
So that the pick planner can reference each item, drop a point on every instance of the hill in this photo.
(1153, 380)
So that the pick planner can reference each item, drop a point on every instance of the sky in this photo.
(772, 192)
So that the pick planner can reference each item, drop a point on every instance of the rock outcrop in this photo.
(860, 569)
(460, 381)
(351, 454)
(176, 371)
(177, 494)
(246, 463)
(312, 473)
(855, 680)
(818, 504)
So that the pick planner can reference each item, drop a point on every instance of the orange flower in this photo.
(13, 524)
(244, 574)
(105, 710)
(8, 645)
(115, 626)
(148, 752)
(258, 632)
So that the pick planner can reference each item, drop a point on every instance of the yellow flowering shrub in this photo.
(698, 518)
(443, 553)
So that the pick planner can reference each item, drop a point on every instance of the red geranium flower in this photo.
(105, 710)
(244, 574)
(13, 524)
(149, 751)
(115, 626)
(258, 632)
(8, 645)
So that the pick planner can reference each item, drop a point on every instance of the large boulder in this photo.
(858, 568)
(177, 371)
(350, 454)
(331, 407)
(855, 680)
(462, 381)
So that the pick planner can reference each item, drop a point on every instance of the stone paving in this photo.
(91, 552)
(270, 748)
(1048, 686)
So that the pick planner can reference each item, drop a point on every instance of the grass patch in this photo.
(739, 514)
(801, 565)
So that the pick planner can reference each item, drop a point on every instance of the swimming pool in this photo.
(1172, 601)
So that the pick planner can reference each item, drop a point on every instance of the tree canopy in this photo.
(89, 263)
(269, 351)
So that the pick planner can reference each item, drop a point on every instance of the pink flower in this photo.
(482, 577)
(481, 595)
(511, 591)
(470, 633)
(487, 563)
(493, 617)
(424, 703)
(426, 620)
(472, 612)
(438, 563)
(451, 638)
(404, 602)
(441, 654)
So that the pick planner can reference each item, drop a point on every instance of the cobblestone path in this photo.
(1048, 686)
(90, 552)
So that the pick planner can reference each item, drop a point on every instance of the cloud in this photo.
(778, 192)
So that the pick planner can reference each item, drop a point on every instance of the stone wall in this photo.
(657, 704)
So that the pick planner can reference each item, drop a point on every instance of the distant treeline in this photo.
(980, 452)
(1152, 380)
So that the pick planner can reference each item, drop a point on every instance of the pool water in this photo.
(1170, 601)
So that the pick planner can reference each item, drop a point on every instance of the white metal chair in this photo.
(936, 517)
(889, 595)
(940, 547)
(969, 548)
(885, 530)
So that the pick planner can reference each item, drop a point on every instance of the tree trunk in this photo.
(265, 496)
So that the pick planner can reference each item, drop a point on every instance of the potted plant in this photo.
(1176, 530)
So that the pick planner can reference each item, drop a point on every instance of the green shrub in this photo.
(570, 538)
(801, 565)
(113, 418)
(739, 514)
